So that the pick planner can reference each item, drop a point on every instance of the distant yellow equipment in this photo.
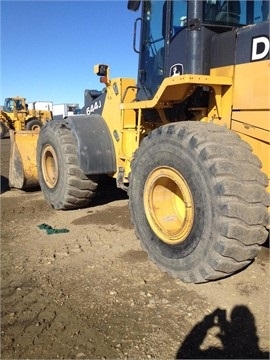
(16, 115)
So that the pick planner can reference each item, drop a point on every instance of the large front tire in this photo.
(198, 201)
(62, 182)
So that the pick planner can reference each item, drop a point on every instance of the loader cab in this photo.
(175, 36)
(14, 104)
(19, 104)
(8, 105)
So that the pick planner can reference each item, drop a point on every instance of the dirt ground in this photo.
(92, 293)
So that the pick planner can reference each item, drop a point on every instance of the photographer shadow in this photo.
(237, 338)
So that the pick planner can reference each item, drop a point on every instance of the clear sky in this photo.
(49, 48)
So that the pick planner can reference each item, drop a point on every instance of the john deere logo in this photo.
(176, 69)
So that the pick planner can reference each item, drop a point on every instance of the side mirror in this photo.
(133, 5)
(103, 71)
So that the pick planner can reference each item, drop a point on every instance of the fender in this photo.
(95, 145)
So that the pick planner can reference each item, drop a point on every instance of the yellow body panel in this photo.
(177, 89)
(251, 118)
(251, 86)
(250, 106)
(122, 126)
(245, 127)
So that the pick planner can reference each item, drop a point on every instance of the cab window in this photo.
(19, 105)
(235, 13)
(178, 16)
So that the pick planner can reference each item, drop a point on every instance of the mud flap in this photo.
(22, 164)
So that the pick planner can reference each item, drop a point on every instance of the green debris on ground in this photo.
(50, 230)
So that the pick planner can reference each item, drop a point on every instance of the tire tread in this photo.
(239, 188)
(79, 189)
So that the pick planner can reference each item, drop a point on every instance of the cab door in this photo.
(164, 44)
(151, 62)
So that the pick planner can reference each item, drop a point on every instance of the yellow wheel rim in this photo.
(49, 166)
(168, 205)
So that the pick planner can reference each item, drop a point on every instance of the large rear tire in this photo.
(198, 201)
(62, 182)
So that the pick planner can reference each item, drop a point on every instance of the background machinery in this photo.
(16, 115)
(66, 109)
(189, 140)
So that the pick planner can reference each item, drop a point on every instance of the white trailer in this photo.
(41, 105)
(62, 110)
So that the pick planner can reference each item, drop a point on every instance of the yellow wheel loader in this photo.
(15, 115)
(189, 140)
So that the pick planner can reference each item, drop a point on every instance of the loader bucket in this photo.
(23, 165)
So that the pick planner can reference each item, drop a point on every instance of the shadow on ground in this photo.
(107, 192)
(237, 337)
